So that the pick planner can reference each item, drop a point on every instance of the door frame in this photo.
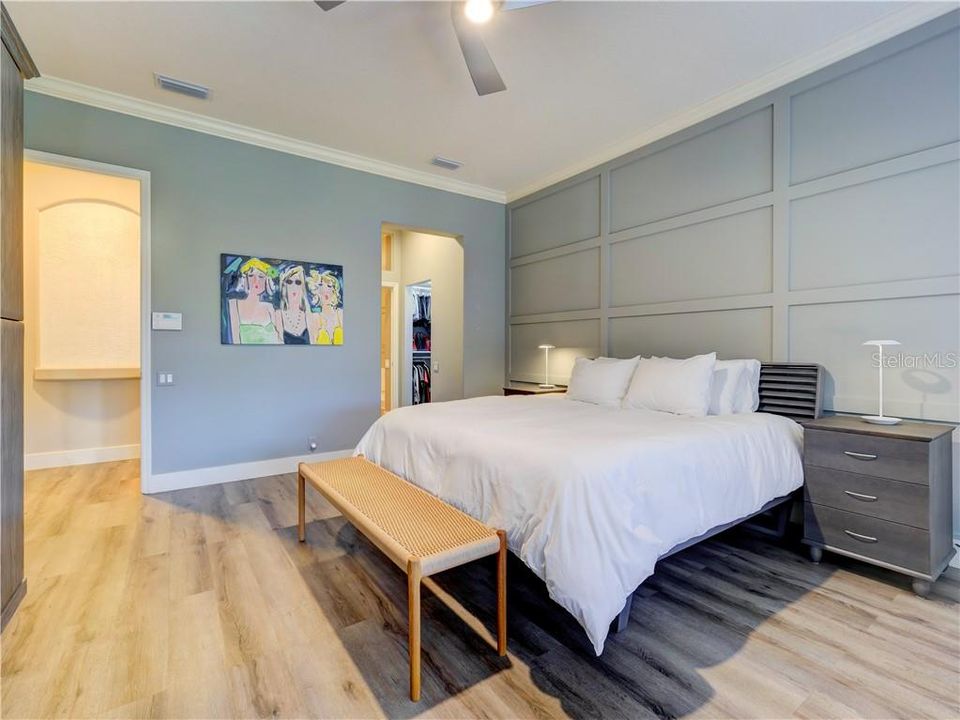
(143, 176)
(394, 341)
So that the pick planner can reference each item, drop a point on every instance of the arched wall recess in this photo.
(89, 286)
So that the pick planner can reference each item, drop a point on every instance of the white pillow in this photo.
(602, 381)
(675, 386)
(748, 398)
(728, 387)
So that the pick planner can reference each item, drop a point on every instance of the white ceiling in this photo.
(386, 80)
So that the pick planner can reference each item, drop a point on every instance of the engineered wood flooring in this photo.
(201, 604)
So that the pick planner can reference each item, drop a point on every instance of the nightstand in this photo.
(881, 494)
(525, 388)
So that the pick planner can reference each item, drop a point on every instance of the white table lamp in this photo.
(546, 385)
(881, 419)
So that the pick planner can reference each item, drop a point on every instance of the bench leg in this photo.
(301, 508)
(502, 594)
(413, 609)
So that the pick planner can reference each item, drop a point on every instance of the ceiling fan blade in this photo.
(482, 71)
(329, 4)
(521, 4)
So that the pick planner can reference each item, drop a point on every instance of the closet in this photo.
(17, 65)
(419, 297)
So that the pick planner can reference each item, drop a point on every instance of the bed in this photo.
(591, 497)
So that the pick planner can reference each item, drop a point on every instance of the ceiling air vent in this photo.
(446, 163)
(182, 87)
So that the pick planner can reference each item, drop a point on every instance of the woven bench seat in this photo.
(419, 532)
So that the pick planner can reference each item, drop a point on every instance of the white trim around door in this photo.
(143, 176)
(394, 341)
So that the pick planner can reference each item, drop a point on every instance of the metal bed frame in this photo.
(793, 390)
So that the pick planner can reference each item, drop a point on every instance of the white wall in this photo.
(439, 259)
(68, 422)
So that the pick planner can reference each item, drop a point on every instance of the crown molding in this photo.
(127, 105)
(887, 27)
(883, 29)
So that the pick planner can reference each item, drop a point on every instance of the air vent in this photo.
(182, 87)
(446, 163)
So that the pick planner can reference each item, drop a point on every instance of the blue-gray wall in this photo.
(209, 195)
(793, 227)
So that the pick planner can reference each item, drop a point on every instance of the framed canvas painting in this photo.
(266, 301)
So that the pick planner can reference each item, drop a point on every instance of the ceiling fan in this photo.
(467, 18)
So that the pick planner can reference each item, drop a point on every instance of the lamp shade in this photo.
(546, 347)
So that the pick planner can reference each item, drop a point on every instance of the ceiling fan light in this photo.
(478, 11)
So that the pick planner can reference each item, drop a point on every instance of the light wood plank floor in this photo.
(200, 603)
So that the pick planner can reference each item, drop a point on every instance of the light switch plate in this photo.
(167, 321)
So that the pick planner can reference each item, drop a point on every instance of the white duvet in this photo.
(590, 496)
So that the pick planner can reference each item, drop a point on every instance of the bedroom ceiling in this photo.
(386, 80)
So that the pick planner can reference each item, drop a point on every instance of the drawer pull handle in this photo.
(859, 456)
(861, 538)
(861, 496)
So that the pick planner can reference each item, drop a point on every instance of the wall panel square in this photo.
(560, 218)
(903, 103)
(727, 256)
(741, 333)
(832, 334)
(730, 162)
(558, 284)
(573, 339)
(901, 227)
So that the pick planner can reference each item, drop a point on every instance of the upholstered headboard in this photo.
(791, 389)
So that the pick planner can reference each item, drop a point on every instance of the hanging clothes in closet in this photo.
(420, 334)
(421, 320)
(421, 381)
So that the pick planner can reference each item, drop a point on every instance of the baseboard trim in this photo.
(82, 456)
(183, 479)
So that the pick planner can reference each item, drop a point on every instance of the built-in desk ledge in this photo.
(86, 373)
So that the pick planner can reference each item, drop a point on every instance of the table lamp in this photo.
(881, 419)
(546, 385)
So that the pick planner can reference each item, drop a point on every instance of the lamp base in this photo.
(881, 419)
(545, 386)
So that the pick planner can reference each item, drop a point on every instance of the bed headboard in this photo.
(793, 390)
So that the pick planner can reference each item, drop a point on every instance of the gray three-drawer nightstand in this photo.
(882, 494)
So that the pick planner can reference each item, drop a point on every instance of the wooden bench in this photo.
(418, 531)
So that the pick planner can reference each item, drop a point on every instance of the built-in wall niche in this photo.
(88, 291)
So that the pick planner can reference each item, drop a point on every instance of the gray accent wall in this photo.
(793, 227)
(234, 404)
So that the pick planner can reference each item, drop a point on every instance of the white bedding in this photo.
(590, 496)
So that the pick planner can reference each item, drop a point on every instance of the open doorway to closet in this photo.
(421, 316)
(86, 284)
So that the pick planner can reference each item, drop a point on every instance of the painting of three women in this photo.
(265, 301)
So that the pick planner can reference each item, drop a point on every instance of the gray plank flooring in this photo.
(200, 603)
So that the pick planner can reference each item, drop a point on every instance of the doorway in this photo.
(425, 271)
(86, 296)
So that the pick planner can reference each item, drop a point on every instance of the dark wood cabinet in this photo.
(525, 388)
(15, 65)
